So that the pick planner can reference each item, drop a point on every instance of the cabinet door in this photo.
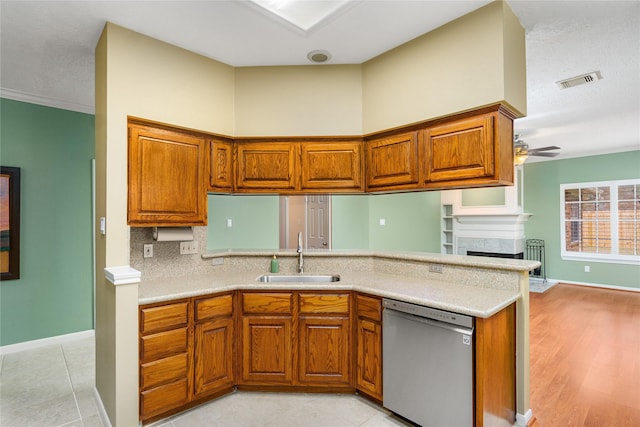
(266, 166)
(392, 161)
(214, 355)
(166, 178)
(267, 350)
(369, 358)
(324, 351)
(463, 149)
(221, 166)
(332, 166)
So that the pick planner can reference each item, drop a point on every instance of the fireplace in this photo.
(500, 235)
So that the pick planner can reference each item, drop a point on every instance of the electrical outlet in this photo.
(217, 261)
(148, 251)
(229, 222)
(587, 269)
(435, 268)
(187, 248)
(382, 221)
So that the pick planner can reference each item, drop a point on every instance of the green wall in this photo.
(254, 222)
(349, 221)
(542, 198)
(54, 295)
(412, 222)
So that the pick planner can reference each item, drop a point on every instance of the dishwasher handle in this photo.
(424, 320)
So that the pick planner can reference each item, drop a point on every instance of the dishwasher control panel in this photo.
(429, 313)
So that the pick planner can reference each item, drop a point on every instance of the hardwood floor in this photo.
(585, 357)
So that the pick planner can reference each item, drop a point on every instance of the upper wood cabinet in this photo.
(469, 152)
(332, 166)
(266, 166)
(392, 162)
(220, 166)
(299, 166)
(170, 170)
(166, 170)
(459, 150)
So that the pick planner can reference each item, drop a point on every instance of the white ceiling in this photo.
(47, 52)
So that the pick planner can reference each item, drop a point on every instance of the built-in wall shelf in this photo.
(446, 230)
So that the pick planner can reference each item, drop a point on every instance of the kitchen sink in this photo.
(299, 278)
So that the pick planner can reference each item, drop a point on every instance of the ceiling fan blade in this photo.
(551, 147)
(543, 154)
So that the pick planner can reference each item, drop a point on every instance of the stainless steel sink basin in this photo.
(299, 278)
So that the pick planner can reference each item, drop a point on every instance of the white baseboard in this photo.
(102, 413)
(60, 339)
(597, 285)
(522, 420)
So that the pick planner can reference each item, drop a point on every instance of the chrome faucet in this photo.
(300, 259)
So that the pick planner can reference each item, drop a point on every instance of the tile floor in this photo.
(53, 387)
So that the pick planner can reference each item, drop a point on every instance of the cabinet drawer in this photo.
(164, 317)
(162, 371)
(267, 303)
(369, 307)
(164, 344)
(324, 303)
(208, 308)
(164, 398)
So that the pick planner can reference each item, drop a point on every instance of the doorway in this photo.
(310, 215)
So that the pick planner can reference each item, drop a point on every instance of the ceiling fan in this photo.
(521, 150)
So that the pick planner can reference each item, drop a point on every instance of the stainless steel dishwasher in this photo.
(427, 359)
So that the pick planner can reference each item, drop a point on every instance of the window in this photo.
(600, 221)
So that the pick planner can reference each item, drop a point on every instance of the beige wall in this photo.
(298, 101)
(460, 66)
(139, 76)
(456, 67)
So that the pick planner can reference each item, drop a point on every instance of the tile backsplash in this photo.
(166, 260)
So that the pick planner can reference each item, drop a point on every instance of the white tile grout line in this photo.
(75, 398)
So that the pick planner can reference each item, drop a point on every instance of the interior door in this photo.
(318, 221)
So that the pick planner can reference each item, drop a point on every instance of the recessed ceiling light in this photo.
(319, 56)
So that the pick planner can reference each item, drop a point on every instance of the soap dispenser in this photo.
(274, 264)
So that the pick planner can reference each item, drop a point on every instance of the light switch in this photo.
(382, 221)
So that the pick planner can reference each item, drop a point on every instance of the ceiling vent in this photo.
(580, 80)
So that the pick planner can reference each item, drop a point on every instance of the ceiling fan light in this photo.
(518, 160)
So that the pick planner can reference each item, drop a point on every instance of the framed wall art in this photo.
(9, 223)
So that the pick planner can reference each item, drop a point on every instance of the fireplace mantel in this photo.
(506, 219)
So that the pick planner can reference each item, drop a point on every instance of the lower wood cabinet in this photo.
(267, 356)
(267, 338)
(214, 354)
(321, 353)
(165, 358)
(293, 340)
(369, 346)
(324, 339)
(187, 352)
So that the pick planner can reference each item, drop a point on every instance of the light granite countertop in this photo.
(505, 264)
(464, 299)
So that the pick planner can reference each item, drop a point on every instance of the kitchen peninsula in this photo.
(228, 308)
